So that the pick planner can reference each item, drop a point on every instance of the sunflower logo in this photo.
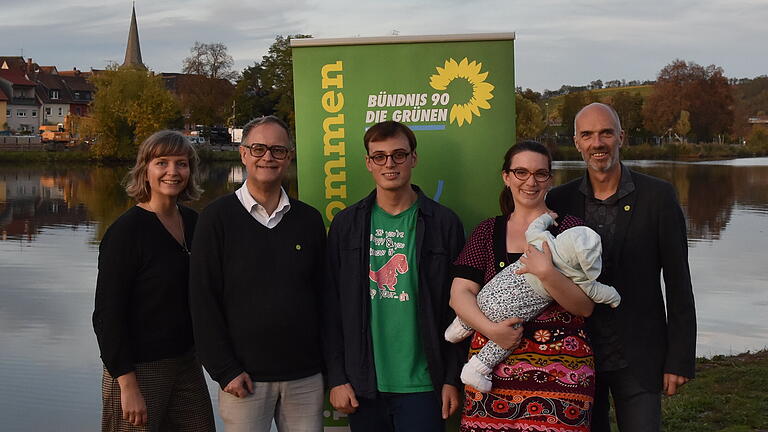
(469, 72)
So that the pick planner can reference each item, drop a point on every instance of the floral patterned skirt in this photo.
(547, 384)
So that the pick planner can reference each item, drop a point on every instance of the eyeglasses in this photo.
(522, 174)
(259, 150)
(398, 157)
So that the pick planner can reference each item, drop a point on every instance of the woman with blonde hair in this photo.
(152, 379)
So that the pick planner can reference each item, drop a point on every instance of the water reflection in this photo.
(726, 208)
(51, 219)
(708, 192)
(33, 198)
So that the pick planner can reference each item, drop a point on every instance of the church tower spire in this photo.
(133, 49)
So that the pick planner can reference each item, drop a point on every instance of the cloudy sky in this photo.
(558, 41)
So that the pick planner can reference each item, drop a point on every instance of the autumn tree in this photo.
(683, 125)
(686, 86)
(529, 119)
(751, 100)
(205, 92)
(129, 105)
(572, 104)
(211, 60)
(203, 100)
(529, 94)
(277, 77)
(629, 107)
(252, 98)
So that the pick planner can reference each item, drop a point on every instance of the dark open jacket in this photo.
(347, 342)
(650, 236)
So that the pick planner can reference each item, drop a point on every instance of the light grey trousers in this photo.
(296, 406)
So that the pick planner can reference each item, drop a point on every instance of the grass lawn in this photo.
(729, 394)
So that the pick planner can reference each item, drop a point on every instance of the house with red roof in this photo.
(13, 62)
(53, 95)
(23, 110)
(81, 91)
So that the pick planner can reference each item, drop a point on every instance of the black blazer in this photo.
(650, 236)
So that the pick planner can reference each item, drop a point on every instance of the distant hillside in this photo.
(604, 93)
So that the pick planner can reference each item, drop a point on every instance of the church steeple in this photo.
(133, 49)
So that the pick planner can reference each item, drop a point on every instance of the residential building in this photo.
(80, 89)
(23, 110)
(53, 94)
(4, 112)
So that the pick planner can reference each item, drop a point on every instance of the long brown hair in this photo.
(162, 143)
(506, 202)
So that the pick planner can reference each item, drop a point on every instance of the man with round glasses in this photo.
(389, 256)
(256, 278)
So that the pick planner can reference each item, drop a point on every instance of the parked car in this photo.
(197, 140)
(215, 135)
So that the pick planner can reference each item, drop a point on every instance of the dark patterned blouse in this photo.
(548, 382)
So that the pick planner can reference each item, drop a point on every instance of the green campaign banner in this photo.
(457, 92)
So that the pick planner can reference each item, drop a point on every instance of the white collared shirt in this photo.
(259, 212)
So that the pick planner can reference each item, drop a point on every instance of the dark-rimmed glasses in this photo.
(398, 157)
(259, 150)
(523, 174)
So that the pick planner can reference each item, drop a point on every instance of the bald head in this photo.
(598, 137)
(597, 106)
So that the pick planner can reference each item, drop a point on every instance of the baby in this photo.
(575, 253)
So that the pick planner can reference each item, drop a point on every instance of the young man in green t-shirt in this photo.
(387, 302)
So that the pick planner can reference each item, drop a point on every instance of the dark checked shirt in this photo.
(600, 215)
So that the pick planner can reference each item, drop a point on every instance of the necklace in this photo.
(183, 235)
(180, 224)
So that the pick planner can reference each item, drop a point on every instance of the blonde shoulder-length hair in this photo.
(162, 143)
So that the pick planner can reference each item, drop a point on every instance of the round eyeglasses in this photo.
(259, 150)
(523, 174)
(398, 157)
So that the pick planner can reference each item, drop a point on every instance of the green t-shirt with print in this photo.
(401, 364)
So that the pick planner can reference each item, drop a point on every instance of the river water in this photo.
(51, 220)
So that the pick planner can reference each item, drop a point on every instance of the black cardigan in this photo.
(141, 311)
(650, 236)
(255, 292)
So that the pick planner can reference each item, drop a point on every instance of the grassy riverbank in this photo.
(729, 394)
(84, 156)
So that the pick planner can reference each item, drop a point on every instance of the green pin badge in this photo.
(298, 247)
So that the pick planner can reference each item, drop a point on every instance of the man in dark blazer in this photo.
(640, 350)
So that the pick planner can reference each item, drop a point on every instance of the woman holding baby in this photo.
(548, 381)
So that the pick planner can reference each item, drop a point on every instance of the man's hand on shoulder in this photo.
(450, 396)
(241, 386)
(343, 398)
(673, 382)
